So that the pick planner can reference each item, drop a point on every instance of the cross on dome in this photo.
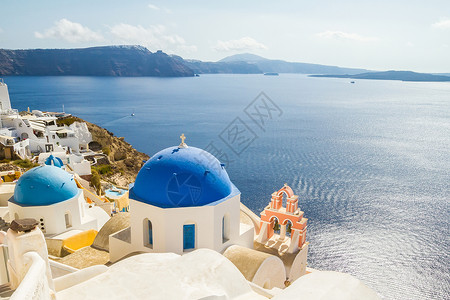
(183, 144)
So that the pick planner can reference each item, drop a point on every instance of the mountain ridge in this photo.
(136, 60)
(121, 60)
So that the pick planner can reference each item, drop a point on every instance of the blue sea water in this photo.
(370, 161)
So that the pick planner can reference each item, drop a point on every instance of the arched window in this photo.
(68, 219)
(288, 227)
(16, 216)
(188, 236)
(276, 225)
(284, 200)
(225, 228)
(148, 233)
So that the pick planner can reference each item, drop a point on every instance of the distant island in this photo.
(280, 66)
(393, 75)
(247, 63)
(135, 60)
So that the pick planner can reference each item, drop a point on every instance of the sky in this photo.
(378, 34)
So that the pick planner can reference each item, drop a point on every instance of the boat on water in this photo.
(271, 74)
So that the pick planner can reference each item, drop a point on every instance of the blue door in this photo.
(188, 236)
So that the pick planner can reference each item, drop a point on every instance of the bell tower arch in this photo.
(288, 220)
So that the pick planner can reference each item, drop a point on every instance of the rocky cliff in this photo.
(95, 61)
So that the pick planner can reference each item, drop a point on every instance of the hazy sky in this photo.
(377, 34)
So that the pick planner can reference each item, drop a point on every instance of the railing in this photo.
(34, 285)
(21, 144)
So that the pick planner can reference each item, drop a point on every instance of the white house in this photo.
(182, 200)
(50, 195)
(37, 132)
(75, 161)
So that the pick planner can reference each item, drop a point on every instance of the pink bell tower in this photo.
(290, 220)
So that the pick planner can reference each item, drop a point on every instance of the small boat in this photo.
(132, 114)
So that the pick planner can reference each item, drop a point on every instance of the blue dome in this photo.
(44, 185)
(181, 177)
(54, 161)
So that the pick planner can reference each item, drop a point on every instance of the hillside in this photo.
(95, 61)
(393, 75)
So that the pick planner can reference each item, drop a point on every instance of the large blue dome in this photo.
(44, 185)
(181, 177)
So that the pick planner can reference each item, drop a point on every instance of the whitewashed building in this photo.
(38, 132)
(50, 195)
(75, 161)
(182, 200)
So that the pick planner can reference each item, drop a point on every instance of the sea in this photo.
(370, 160)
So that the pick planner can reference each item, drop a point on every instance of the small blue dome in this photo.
(44, 185)
(181, 177)
(54, 161)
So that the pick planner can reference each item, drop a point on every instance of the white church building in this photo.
(50, 195)
(182, 200)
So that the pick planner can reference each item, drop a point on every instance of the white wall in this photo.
(81, 168)
(167, 226)
(81, 132)
(76, 161)
(4, 97)
(54, 215)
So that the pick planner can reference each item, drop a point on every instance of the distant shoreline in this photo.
(393, 75)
